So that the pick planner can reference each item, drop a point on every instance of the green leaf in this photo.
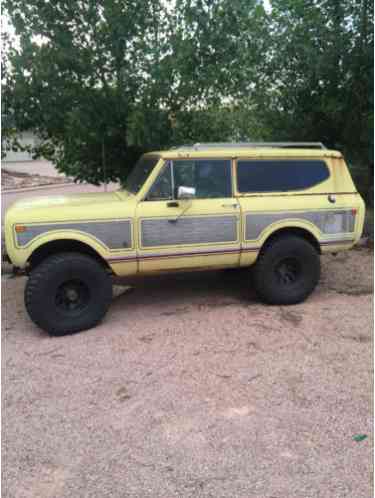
(359, 437)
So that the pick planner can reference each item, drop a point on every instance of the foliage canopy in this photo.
(102, 81)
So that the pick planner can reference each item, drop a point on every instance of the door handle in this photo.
(231, 205)
(172, 204)
(332, 198)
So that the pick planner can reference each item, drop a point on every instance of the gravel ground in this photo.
(191, 388)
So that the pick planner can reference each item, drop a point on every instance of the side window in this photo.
(211, 178)
(279, 175)
(184, 174)
(162, 187)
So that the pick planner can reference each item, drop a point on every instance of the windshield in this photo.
(140, 173)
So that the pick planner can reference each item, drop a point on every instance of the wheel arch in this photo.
(297, 231)
(46, 249)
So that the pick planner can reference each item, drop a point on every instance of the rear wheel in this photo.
(67, 293)
(287, 270)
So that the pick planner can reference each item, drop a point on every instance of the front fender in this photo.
(20, 255)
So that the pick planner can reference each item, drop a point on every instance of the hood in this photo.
(99, 205)
(65, 200)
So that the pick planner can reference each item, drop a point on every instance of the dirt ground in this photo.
(192, 388)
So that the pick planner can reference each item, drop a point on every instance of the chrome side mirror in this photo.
(185, 192)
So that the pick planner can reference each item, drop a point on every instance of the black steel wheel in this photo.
(72, 296)
(288, 271)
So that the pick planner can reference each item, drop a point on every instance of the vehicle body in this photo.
(198, 207)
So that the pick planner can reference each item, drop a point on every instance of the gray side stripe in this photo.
(205, 229)
(328, 222)
(113, 234)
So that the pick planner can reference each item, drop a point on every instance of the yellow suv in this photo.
(274, 207)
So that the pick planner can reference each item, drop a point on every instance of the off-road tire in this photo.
(48, 286)
(299, 257)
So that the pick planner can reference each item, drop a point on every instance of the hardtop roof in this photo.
(245, 151)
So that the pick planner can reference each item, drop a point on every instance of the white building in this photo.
(25, 138)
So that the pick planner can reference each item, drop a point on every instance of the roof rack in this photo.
(282, 145)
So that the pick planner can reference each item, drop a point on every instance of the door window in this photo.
(211, 178)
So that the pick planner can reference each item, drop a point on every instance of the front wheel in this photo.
(287, 270)
(67, 293)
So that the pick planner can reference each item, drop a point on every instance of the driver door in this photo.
(189, 218)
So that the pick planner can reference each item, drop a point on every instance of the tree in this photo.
(102, 81)
(9, 139)
(321, 63)
(79, 72)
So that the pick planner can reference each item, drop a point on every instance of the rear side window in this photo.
(279, 176)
